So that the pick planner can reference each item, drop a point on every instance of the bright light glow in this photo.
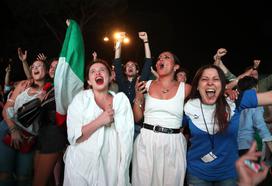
(117, 35)
(106, 39)
(126, 40)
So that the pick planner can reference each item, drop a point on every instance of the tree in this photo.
(33, 16)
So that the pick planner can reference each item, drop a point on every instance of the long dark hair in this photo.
(175, 57)
(222, 109)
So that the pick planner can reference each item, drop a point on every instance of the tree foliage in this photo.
(37, 17)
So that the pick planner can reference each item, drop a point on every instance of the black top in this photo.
(48, 110)
(126, 86)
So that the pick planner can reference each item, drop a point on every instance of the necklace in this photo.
(211, 137)
(164, 91)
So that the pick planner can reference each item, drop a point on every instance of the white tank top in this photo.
(166, 113)
(24, 98)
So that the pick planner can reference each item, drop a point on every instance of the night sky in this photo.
(192, 30)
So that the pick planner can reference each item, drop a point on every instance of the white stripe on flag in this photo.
(67, 85)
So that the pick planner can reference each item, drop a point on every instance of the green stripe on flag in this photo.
(69, 74)
(73, 49)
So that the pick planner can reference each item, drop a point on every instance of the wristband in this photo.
(145, 41)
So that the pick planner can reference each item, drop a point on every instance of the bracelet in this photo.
(145, 41)
(12, 129)
(138, 103)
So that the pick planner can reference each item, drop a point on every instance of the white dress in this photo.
(104, 158)
(159, 159)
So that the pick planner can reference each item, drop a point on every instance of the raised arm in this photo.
(118, 44)
(143, 36)
(7, 76)
(41, 57)
(219, 54)
(117, 62)
(155, 74)
(256, 63)
(7, 85)
(146, 70)
(218, 59)
(218, 62)
(94, 54)
(23, 56)
(233, 83)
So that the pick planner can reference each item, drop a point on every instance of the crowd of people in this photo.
(150, 128)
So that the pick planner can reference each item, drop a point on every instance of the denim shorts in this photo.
(11, 160)
(195, 181)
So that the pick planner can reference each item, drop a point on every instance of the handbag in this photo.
(28, 115)
(28, 112)
(27, 144)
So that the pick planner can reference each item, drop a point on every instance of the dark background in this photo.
(192, 30)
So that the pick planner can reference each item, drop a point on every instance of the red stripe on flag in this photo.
(60, 119)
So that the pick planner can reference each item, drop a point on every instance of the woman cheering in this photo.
(213, 121)
(100, 130)
(159, 156)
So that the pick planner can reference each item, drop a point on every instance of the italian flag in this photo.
(69, 74)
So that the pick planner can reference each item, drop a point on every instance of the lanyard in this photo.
(211, 137)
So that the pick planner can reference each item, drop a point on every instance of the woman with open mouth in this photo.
(100, 129)
(16, 164)
(213, 122)
(159, 156)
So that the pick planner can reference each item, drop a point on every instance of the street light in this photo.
(117, 36)
(106, 39)
(126, 40)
